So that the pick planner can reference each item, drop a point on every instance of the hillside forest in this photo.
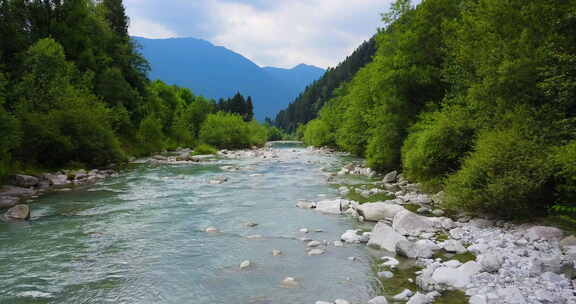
(74, 92)
(476, 98)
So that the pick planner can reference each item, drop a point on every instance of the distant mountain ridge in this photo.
(217, 72)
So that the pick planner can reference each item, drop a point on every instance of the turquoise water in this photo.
(139, 238)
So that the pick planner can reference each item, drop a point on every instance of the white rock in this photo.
(418, 249)
(304, 230)
(408, 223)
(245, 265)
(341, 301)
(419, 298)
(390, 261)
(276, 252)
(404, 295)
(391, 177)
(313, 244)
(378, 300)
(338, 244)
(454, 246)
(379, 211)
(323, 302)
(456, 277)
(384, 237)
(478, 299)
(305, 204)
(336, 206)
(316, 251)
(452, 264)
(491, 262)
(511, 295)
(352, 236)
(457, 233)
(290, 282)
(385, 274)
(544, 233)
(211, 229)
(438, 212)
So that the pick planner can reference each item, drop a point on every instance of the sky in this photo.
(280, 33)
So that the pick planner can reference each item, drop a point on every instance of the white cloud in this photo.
(146, 28)
(279, 33)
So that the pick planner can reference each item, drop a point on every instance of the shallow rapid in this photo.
(139, 237)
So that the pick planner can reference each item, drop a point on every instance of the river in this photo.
(139, 237)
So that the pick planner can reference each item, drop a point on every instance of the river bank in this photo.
(490, 261)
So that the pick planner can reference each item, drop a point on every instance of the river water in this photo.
(139, 238)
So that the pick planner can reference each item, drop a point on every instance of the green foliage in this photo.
(274, 133)
(506, 175)
(437, 144)
(150, 135)
(565, 161)
(204, 149)
(230, 131)
(318, 134)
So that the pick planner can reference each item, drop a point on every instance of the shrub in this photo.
(257, 133)
(204, 149)
(150, 135)
(507, 175)
(436, 145)
(226, 131)
(318, 134)
(565, 161)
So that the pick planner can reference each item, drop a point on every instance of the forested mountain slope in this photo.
(306, 106)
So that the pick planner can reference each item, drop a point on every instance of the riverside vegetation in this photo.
(74, 93)
(473, 97)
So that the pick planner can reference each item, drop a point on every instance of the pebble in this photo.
(316, 251)
(276, 252)
(245, 265)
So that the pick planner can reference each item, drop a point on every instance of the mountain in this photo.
(217, 72)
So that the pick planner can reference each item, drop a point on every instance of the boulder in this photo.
(14, 191)
(18, 213)
(56, 179)
(341, 301)
(408, 223)
(456, 277)
(24, 181)
(383, 236)
(245, 265)
(490, 262)
(8, 202)
(390, 178)
(336, 206)
(544, 233)
(379, 211)
(453, 246)
(568, 242)
(352, 236)
(418, 249)
(378, 300)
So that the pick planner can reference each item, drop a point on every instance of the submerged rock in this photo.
(352, 236)
(378, 300)
(316, 251)
(18, 213)
(290, 282)
(245, 265)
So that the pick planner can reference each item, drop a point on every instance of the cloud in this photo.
(276, 33)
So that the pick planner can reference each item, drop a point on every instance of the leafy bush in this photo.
(318, 134)
(150, 135)
(204, 149)
(506, 175)
(565, 160)
(436, 145)
(229, 131)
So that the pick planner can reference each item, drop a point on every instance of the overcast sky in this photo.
(281, 33)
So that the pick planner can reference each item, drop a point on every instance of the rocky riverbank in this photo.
(490, 261)
(22, 188)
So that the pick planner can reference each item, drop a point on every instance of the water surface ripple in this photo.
(138, 238)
